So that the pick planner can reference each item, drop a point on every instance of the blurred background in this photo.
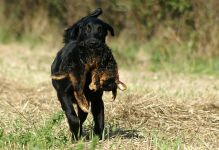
(157, 34)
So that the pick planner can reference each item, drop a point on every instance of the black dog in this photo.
(99, 62)
(91, 33)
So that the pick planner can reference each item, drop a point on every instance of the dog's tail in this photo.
(59, 76)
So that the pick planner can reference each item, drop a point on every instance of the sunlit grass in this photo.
(161, 109)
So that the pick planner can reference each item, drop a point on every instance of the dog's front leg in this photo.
(82, 116)
(73, 121)
(97, 108)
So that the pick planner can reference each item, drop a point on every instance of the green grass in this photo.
(194, 66)
(160, 55)
(163, 143)
(45, 137)
(162, 109)
(4, 37)
(41, 137)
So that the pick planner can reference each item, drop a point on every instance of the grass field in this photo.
(160, 110)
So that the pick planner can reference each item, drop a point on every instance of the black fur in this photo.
(105, 64)
(71, 33)
(83, 40)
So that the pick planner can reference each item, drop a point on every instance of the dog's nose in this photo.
(93, 42)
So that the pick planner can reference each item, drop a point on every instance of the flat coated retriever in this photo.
(82, 70)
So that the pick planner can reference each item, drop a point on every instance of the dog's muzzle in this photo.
(93, 43)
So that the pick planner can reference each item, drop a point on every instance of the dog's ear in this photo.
(110, 28)
(72, 32)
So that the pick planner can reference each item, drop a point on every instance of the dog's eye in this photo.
(88, 28)
(99, 29)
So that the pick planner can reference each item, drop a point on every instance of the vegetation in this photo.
(167, 52)
(160, 110)
(168, 32)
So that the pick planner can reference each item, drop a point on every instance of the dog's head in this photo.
(71, 33)
(92, 32)
(89, 30)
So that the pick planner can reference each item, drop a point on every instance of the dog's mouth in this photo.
(92, 43)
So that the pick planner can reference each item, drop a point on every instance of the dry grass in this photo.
(158, 111)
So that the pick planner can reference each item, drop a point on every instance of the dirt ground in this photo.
(158, 111)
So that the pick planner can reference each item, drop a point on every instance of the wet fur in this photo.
(71, 59)
(100, 62)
